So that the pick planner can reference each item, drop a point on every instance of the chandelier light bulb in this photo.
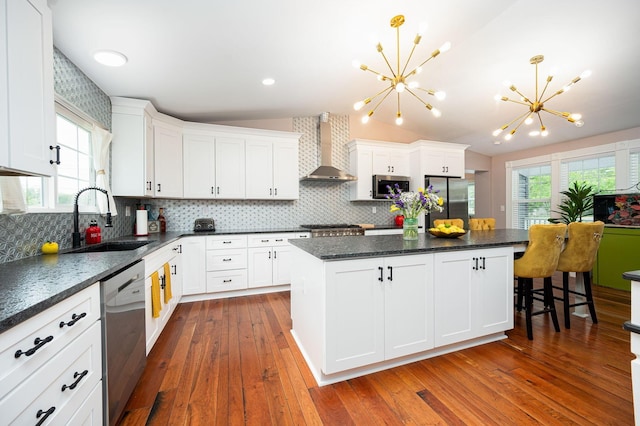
(436, 112)
(579, 123)
(576, 117)
(358, 105)
(418, 70)
(440, 95)
(445, 47)
(508, 136)
(400, 87)
(496, 132)
(399, 120)
(365, 119)
(355, 64)
(544, 133)
(585, 74)
(529, 120)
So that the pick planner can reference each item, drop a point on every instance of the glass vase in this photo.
(410, 228)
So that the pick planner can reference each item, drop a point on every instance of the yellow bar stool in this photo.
(455, 222)
(579, 256)
(478, 224)
(540, 260)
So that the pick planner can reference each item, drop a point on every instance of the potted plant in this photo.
(577, 200)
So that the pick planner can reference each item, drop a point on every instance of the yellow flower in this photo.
(394, 208)
(440, 201)
(421, 189)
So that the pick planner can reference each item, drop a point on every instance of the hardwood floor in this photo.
(234, 362)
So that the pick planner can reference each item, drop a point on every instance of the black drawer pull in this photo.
(38, 342)
(45, 413)
(74, 319)
(227, 259)
(78, 377)
(227, 281)
(226, 242)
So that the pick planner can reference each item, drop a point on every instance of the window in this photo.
(75, 171)
(599, 171)
(634, 169)
(471, 196)
(531, 196)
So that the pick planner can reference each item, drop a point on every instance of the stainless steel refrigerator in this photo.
(456, 199)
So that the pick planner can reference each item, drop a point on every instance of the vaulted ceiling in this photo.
(204, 60)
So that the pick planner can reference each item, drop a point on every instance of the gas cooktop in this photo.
(334, 230)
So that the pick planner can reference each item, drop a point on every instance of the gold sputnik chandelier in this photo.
(399, 78)
(538, 104)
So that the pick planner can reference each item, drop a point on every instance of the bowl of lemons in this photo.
(447, 231)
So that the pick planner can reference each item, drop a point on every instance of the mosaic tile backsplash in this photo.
(320, 202)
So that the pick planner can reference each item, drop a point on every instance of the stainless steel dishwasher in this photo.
(123, 334)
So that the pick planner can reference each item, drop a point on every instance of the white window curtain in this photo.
(100, 140)
(12, 201)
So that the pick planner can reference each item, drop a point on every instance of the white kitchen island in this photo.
(365, 304)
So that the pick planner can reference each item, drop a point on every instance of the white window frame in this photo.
(49, 185)
(620, 150)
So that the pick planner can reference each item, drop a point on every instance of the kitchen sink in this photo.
(110, 246)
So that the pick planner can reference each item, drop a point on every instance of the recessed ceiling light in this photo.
(110, 58)
(268, 81)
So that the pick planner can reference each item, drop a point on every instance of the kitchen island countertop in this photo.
(336, 248)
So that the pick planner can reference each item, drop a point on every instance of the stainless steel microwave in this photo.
(381, 184)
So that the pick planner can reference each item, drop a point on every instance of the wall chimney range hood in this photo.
(326, 172)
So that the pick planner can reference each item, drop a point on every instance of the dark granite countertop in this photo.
(31, 285)
(337, 248)
(632, 275)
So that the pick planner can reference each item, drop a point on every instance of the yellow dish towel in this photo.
(167, 283)
(155, 295)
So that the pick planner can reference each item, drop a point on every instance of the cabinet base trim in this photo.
(328, 379)
(234, 293)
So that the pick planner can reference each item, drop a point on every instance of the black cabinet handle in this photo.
(380, 278)
(159, 188)
(45, 413)
(390, 277)
(275, 191)
(149, 185)
(475, 268)
(217, 190)
(275, 254)
(163, 282)
(229, 259)
(74, 318)
(269, 254)
(38, 342)
(270, 191)
(484, 265)
(227, 281)
(212, 191)
(57, 148)
(78, 377)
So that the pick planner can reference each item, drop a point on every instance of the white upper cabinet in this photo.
(230, 167)
(390, 161)
(272, 169)
(199, 171)
(27, 114)
(132, 159)
(437, 159)
(167, 156)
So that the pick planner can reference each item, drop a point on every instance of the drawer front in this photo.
(157, 259)
(221, 260)
(40, 338)
(90, 412)
(226, 242)
(226, 280)
(63, 383)
(268, 240)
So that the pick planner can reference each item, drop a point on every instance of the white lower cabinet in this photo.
(51, 364)
(155, 263)
(377, 309)
(269, 258)
(226, 263)
(473, 294)
(194, 273)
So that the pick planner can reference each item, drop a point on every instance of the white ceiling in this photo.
(204, 60)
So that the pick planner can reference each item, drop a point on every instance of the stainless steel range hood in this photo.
(326, 172)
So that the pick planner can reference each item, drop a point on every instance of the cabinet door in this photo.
(444, 163)
(259, 168)
(199, 166)
(132, 154)
(260, 267)
(167, 144)
(362, 167)
(230, 168)
(282, 265)
(193, 265)
(354, 315)
(408, 309)
(453, 296)
(399, 162)
(149, 171)
(27, 105)
(286, 181)
(495, 287)
(176, 268)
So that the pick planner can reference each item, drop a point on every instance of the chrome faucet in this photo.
(76, 236)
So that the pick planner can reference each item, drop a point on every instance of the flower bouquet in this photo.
(411, 205)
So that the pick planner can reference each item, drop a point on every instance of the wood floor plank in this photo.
(234, 362)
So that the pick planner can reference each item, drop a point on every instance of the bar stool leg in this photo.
(527, 285)
(589, 296)
(565, 300)
(551, 307)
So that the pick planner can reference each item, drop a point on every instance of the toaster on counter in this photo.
(204, 225)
